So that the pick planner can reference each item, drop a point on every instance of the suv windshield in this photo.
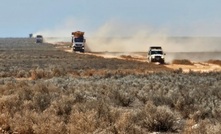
(156, 52)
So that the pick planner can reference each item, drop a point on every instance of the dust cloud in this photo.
(61, 32)
(114, 37)
(127, 38)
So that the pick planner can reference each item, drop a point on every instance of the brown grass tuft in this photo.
(217, 62)
(182, 62)
(83, 122)
(37, 74)
(158, 119)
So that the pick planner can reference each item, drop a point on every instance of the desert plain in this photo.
(47, 88)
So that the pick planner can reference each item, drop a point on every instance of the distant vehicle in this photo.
(78, 41)
(155, 54)
(39, 39)
(31, 35)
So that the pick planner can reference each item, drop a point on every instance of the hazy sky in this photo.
(19, 18)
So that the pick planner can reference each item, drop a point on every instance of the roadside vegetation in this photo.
(51, 91)
(217, 62)
(155, 102)
(182, 62)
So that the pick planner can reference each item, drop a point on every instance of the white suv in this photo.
(155, 54)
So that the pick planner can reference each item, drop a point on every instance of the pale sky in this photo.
(19, 18)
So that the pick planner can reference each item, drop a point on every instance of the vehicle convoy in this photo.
(39, 39)
(78, 41)
(155, 54)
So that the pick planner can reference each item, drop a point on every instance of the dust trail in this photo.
(114, 36)
(61, 32)
(117, 37)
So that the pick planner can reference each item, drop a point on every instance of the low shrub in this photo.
(37, 74)
(217, 62)
(182, 62)
(23, 74)
(123, 98)
(158, 119)
(154, 102)
(40, 73)
(83, 122)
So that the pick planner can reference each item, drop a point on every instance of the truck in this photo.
(39, 39)
(156, 54)
(78, 41)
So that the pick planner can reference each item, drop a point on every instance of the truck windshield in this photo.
(156, 52)
(78, 39)
(39, 36)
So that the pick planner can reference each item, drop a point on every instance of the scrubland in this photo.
(46, 90)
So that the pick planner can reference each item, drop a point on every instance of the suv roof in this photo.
(155, 47)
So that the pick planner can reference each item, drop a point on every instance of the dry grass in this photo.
(159, 119)
(156, 102)
(68, 93)
(182, 62)
(217, 62)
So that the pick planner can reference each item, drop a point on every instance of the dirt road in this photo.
(199, 64)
